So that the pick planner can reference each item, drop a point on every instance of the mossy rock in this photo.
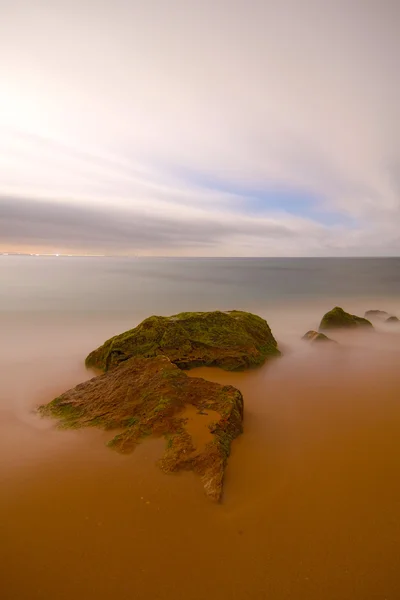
(233, 340)
(315, 336)
(148, 396)
(392, 320)
(338, 318)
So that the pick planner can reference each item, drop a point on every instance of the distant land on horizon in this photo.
(50, 254)
(136, 256)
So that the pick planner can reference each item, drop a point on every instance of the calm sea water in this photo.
(311, 507)
(161, 286)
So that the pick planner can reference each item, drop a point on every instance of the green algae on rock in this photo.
(314, 336)
(338, 318)
(147, 396)
(233, 341)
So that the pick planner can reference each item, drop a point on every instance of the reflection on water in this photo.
(312, 496)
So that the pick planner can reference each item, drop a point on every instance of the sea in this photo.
(311, 504)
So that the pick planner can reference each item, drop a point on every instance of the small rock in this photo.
(337, 318)
(376, 313)
(392, 320)
(314, 336)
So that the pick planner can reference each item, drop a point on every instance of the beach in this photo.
(311, 504)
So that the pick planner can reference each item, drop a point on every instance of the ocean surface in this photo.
(311, 507)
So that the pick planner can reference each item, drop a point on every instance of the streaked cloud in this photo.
(209, 128)
(62, 226)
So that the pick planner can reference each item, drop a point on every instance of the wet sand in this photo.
(311, 508)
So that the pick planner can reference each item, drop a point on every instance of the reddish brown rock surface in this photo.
(149, 396)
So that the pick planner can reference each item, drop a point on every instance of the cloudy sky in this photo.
(201, 128)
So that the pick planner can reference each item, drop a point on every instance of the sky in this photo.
(212, 128)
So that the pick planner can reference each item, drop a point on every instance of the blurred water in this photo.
(162, 286)
(312, 500)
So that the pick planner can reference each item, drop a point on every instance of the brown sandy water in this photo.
(311, 508)
(198, 423)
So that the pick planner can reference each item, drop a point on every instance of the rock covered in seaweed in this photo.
(146, 396)
(233, 340)
(315, 336)
(338, 318)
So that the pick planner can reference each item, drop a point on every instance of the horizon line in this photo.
(135, 256)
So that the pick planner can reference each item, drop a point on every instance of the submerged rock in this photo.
(376, 313)
(338, 318)
(392, 320)
(233, 340)
(315, 336)
(148, 396)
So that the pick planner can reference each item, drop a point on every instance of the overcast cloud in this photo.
(208, 128)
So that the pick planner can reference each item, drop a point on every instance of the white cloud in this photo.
(108, 104)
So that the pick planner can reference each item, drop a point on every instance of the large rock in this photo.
(315, 336)
(338, 318)
(233, 340)
(151, 396)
